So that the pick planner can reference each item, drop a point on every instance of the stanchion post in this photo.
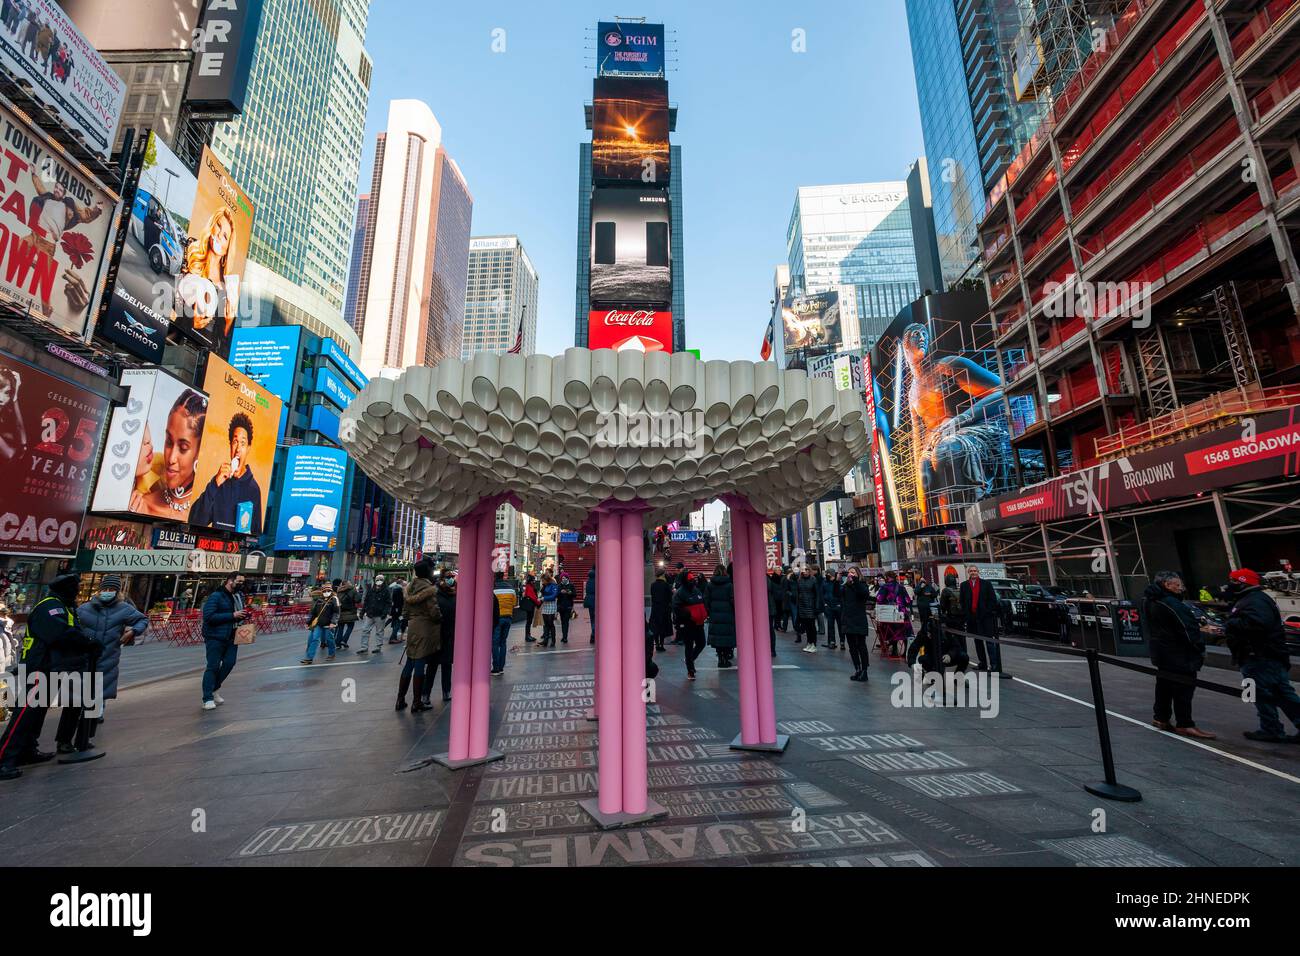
(1111, 789)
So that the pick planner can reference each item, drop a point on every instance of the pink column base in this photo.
(609, 708)
(635, 794)
(481, 696)
(462, 664)
(762, 642)
(745, 634)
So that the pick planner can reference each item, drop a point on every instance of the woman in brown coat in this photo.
(423, 635)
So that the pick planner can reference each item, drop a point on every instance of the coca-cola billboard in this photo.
(644, 330)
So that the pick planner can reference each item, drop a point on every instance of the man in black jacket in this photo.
(53, 643)
(1257, 639)
(808, 604)
(375, 609)
(222, 612)
(1177, 648)
(979, 608)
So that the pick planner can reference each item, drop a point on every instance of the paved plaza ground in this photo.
(292, 772)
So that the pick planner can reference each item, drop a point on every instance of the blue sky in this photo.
(755, 120)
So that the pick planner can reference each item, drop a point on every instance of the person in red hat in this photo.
(691, 612)
(1257, 639)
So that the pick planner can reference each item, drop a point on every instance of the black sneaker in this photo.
(33, 757)
(1266, 738)
(10, 772)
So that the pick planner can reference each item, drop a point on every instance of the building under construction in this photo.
(1140, 258)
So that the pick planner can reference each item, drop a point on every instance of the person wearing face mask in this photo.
(113, 622)
(54, 643)
(223, 611)
(1177, 647)
(1257, 639)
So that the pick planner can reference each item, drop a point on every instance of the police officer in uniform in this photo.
(53, 643)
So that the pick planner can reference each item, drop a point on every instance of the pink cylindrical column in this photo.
(481, 700)
(743, 583)
(633, 644)
(762, 641)
(609, 708)
(462, 663)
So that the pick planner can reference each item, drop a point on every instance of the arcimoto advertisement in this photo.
(630, 248)
(53, 230)
(153, 254)
(206, 303)
(152, 448)
(40, 44)
(629, 139)
(49, 434)
(234, 464)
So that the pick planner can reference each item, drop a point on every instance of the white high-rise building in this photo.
(500, 297)
(411, 288)
(500, 301)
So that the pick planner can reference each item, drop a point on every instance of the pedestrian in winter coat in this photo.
(774, 601)
(396, 617)
(423, 635)
(564, 605)
(589, 601)
(790, 587)
(529, 600)
(375, 609)
(1257, 639)
(54, 643)
(447, 630)
(855, 621)
(661, 609)
(113, 622)
(893, 634)
(691, 613)
(808, 604)
(222, 612)
(831, 606)
(720, 601)
(1177, 648)
(348, 611)
(549, 596)
(321, 620)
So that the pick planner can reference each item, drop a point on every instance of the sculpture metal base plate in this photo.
(615, 821)
(1113, 791)
(782, 741)
(446, 761)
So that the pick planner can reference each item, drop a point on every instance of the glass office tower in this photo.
(296, 149)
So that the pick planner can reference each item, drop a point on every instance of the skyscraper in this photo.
(360, 254)
(500, 309)
(855, 238)
(296, 149)
(987, 71)
(500, 297)
(417, 234)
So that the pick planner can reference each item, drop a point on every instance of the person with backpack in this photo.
(375, 608)
(564, 599)
(347, 595)
(720, 602)
(1257, 639)
(691, 613)
(320, 624)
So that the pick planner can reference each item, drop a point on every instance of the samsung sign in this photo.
(223, 45)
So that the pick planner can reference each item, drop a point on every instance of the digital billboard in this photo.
(811, 322)
(642, 330)
(269, 356)
(49, 434)
(152, 447)
(310, 499)
(629, 138)
(630, 249)
(332, 351)
(333, 387)
(324, 422)
(153, 254)
(54, 226)
(224, 45)
(630, 49)
(39, 45)
(206, 304)
(234, 464)
(940, 416)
